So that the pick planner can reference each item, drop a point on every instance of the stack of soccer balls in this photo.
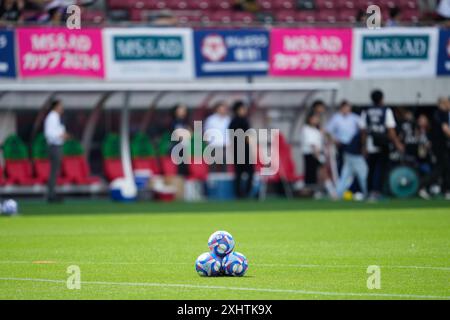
(221, 259)
(9, 207)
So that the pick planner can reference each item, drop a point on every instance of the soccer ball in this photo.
(208, 265)
(9, 207)
(221, 243)
(235, 264)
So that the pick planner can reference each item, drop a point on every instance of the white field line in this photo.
(337, 266)
(191, 286)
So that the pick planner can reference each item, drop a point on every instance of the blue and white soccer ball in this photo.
(221, 243)
(235, 264)
(9, 207)
(208, 265)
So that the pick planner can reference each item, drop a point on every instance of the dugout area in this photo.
(98, 110)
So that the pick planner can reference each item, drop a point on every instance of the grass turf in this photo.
(296, 250)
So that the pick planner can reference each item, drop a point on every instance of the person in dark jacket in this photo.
(441, 145)
(180, 125)
(378, 126)
(242, 168)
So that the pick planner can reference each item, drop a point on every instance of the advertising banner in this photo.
(149, 54)
(60, 52)
(231, 52)
(311, 52)
(395, 53)
(7, 54)
(443, 68)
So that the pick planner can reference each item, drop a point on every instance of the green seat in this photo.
(73, 147)
(141, 146)
(111, 147)
(197, 151)
(14, 148)
(39, 148)
(164, 145)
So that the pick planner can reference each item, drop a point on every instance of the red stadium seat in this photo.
(42, 171)
(168, 167)
(177, 4)
(93, 16)
(221, 4)
(329, 16)
(221, 16)
(136, 15)
(286, 16)
(410, 15)
(287, 164)
(147, 163)
(306, 16)
(76, 170)
(286, 169)
(243, 17)
(19, 172)
(408, 4)
(120, 4)
(2, 179)
(139, 4)
(346, 4)
(144, 4)
(188, 18)
(347, 15)
(384, 4)
(112, 169)
(199, 5)
(283, 4)
(198, 171)
(265, 4)
(325, 4)
(363, 4)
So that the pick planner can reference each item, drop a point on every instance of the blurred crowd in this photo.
(369, 145)
(53, 12)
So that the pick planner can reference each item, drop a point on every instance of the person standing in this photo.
(342, 128)
(182, 131)
(425, 157)
(344, 131)
(441, 145)
(245, 167)
(313, 149)
(378, 130)
(55, 135)
(216, 126)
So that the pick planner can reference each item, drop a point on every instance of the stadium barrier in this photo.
(184, 54)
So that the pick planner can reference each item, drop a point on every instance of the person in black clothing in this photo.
(12, 10)
(441, 145)
(240, 121)
(180, 122)
(407, 133)
(378, 129)
(425, 157)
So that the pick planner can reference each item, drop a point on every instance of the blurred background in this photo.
(325, 48)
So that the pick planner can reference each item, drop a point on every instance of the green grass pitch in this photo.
(296, 250)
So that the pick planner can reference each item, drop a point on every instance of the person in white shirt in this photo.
(342, 128)
(313, 149)
(216, 126)
(55, 135)
(378, 130)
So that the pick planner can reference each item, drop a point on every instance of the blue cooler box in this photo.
(220, 186)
